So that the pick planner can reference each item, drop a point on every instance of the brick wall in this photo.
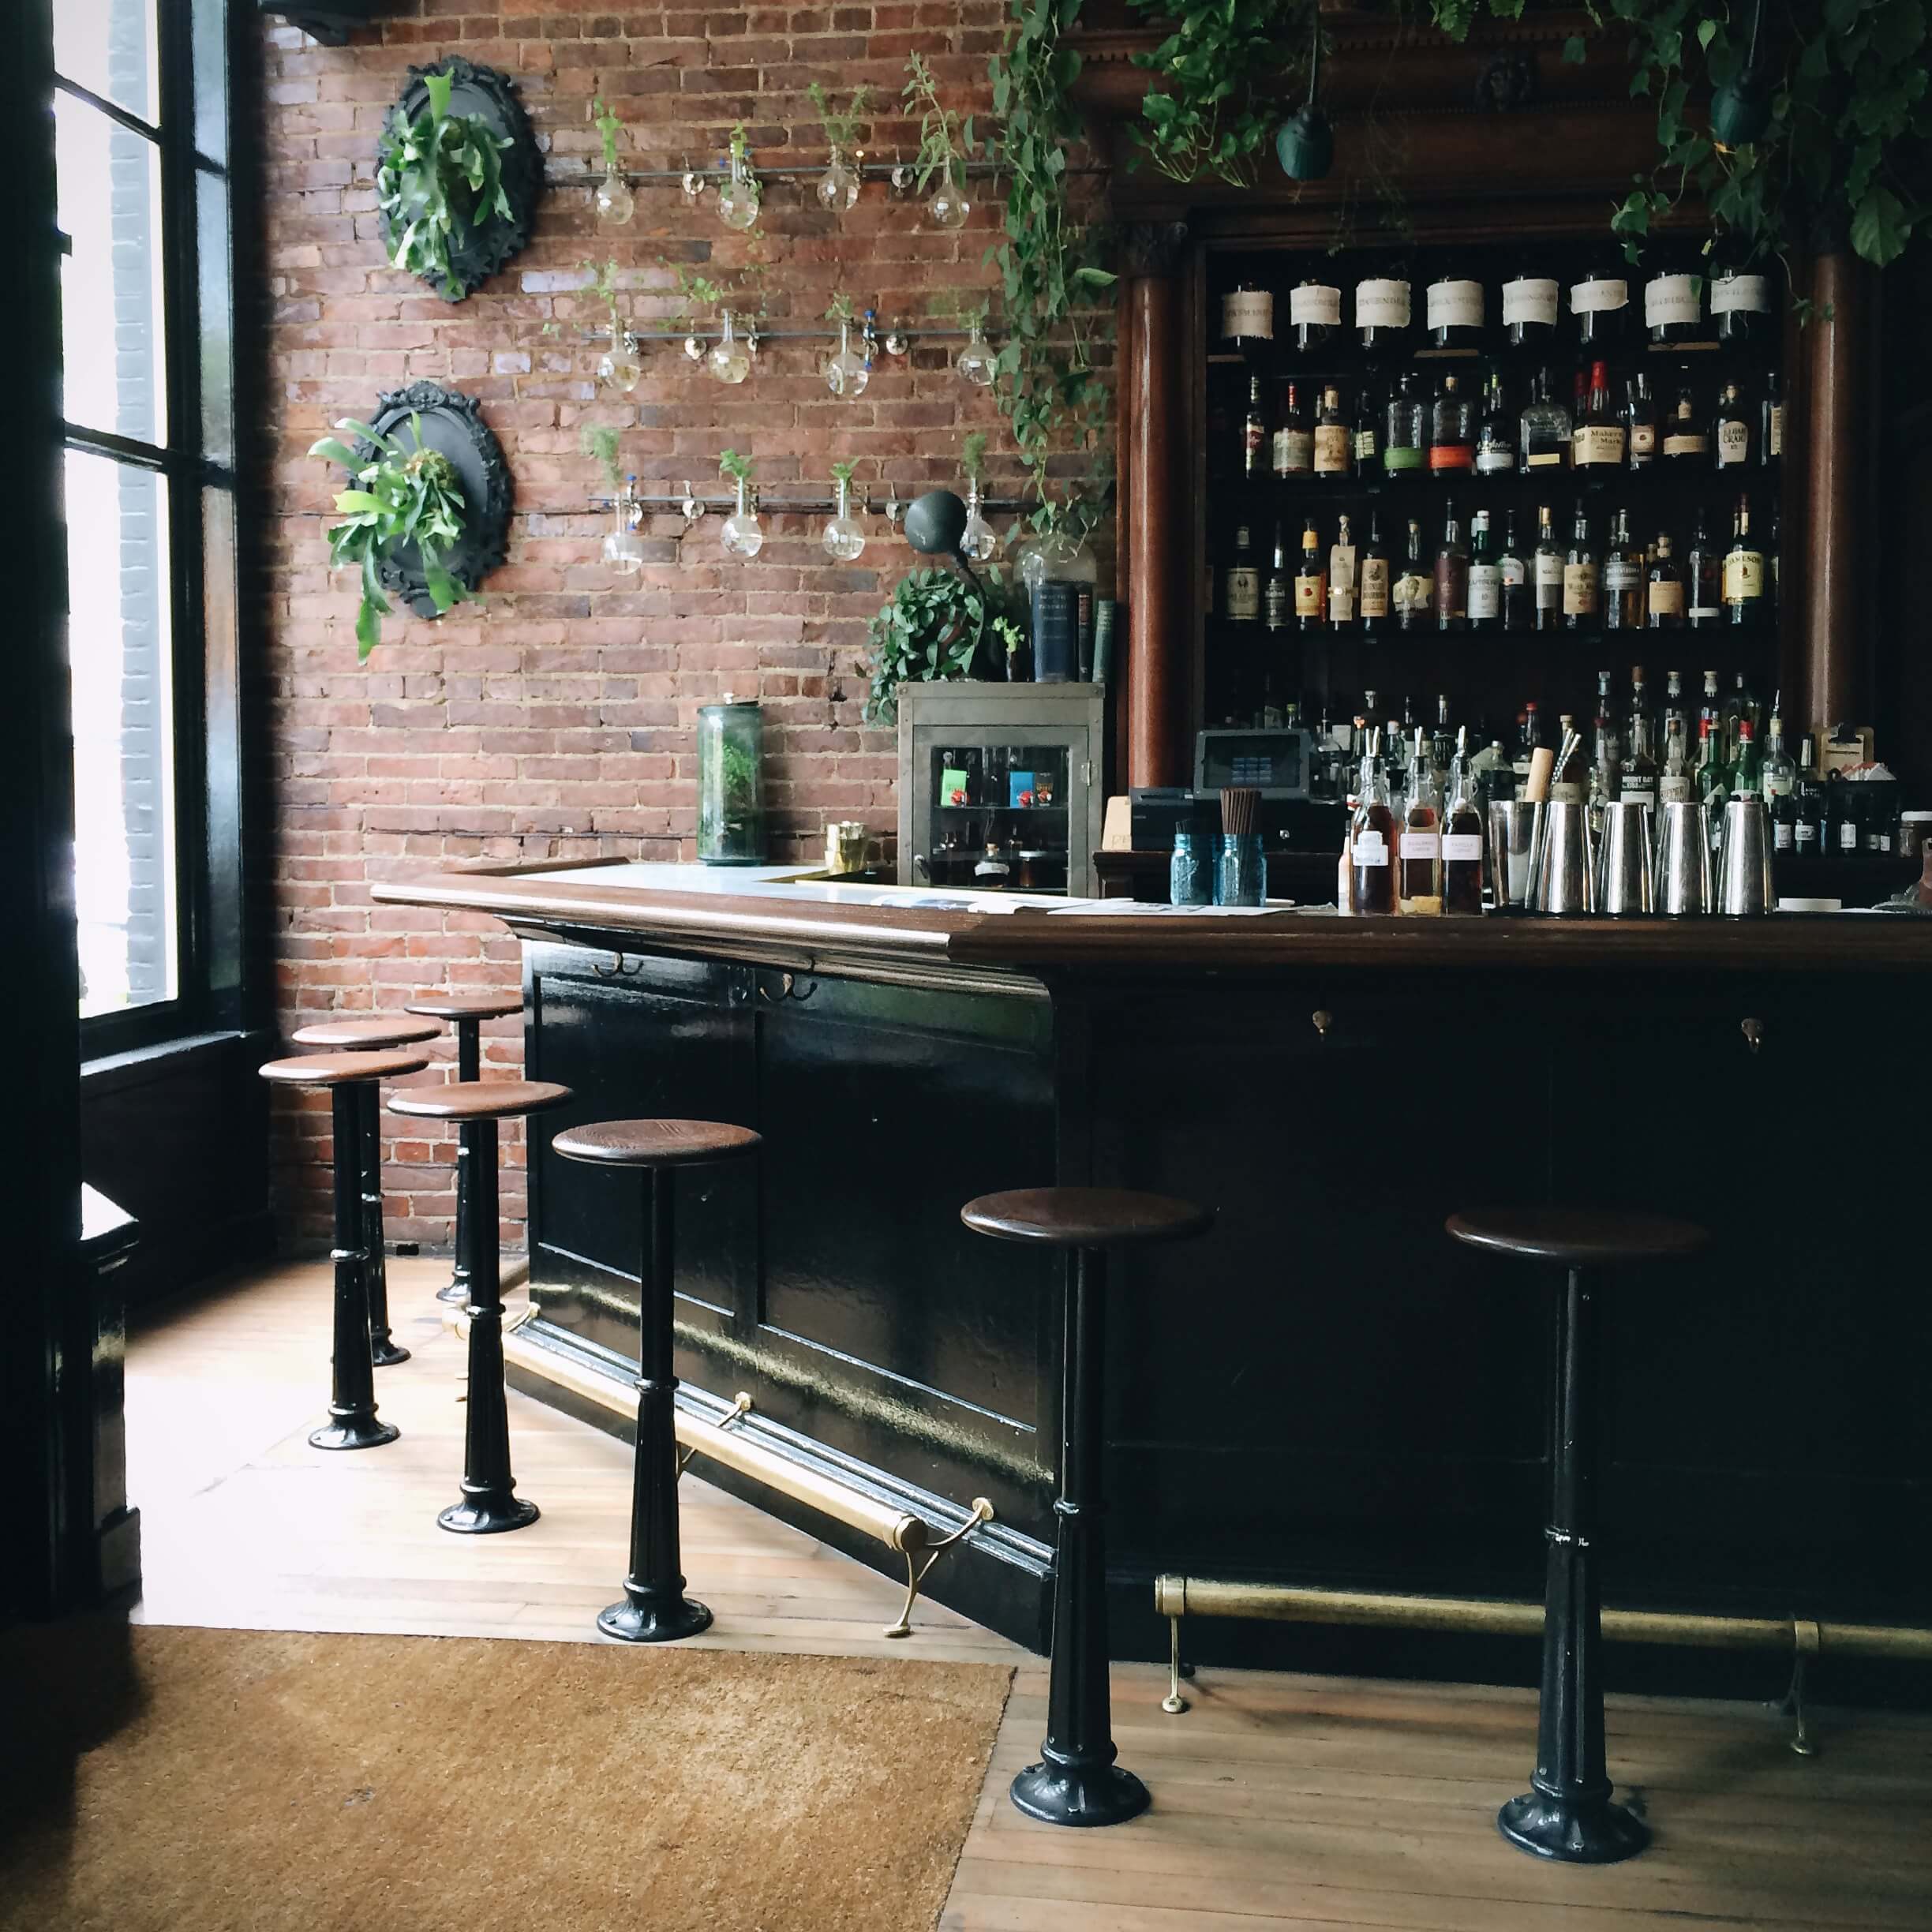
(557, 718)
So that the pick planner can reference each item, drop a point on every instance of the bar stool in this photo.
(655, 1609)
(371, 1036)
(467, 1012)
(490, 1503)
(1568, 1812)
(1077, 1781)
(348, 1077)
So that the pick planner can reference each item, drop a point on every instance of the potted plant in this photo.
(937, 628)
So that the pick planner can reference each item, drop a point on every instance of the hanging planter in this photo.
(457, 176)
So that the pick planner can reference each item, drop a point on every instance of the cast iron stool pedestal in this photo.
(655, 1608)
(371, 1036)
(490, 1503)
(1077, 1781)
(348, 1076)
(1568, 1812)
(466, 1011)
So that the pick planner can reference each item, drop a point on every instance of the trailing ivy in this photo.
(1206, 113)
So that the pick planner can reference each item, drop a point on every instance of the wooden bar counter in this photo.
(1325, 1389)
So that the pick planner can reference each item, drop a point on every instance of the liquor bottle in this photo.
(1703, 578)
(1405, 433)
(1278, 591)
(1332, 440)
(1730, 432)
(1547, 574)
(1311, 584)
(1247, 317)
(1372, 837)
(1414, 591)
(1674, 780)
(1369, 412)
(1686, 440)
(1747, 772)
(1529, 312)
(1485, 578)
(1600, 306)
(1463, 836)
(1640, 423)
(1712, 778)
(1743, 573)
(1674, 708)
(1543, 427)
(1710, 715)
(1454, 312)
(1452, 574)
(1597, 441)
(1418, 890)
(1529, 742)
(1623, 578)
(1294, 436)
(1673, 307)
(1240, 601)
(1373, 600)
(1314, 314)
(1808, 832)
(1341, 578)
(1740, 301)
(1495, 433)
(1492, 773)
(1605, 752)
(1254, 435)
(1441, 743)
(1781, 785)
(1583, 601)
(1771, 424)
(1742, 708)
(1664, 600)
(1639, 774)
(1382, 315)
(1516, 601)
(1452, 428)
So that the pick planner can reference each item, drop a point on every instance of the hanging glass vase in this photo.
(744, 536)
(623, 549)
(980, 540)
(846, 372)
(616, 204)
(731, 800)
(948, 206)
(738, 199)
(729, 360)
(838, 186)
(621, 365)
(844, 537)
(976, 362)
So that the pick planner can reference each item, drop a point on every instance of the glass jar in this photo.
(743, 535)
(1189, 883)
(975, 362)
(844, 537)
(616, 204)
(1240, 872)
(731, 800)
(1060, 574)
(847, 372)
(980, 540)
(623, 549)
(738, 199)
(729, 359)
(838, 186)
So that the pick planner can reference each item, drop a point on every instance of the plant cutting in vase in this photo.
(944, 142)
(838, 187)
(438, 177)
(403, 496)
(931, 633)
(616, 204)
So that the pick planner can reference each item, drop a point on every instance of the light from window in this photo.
(108, 47)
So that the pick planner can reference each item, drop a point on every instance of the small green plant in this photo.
(931, 633)
(945, 139)
(603, 287)
(1209, 111)
(972, 456)
(738, 468)
(609, 127)
(843, 126)
(437, 177)
(599, 442)
(842, 472)
(839, 309)
(403, 494)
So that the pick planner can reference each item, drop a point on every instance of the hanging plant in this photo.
(945, 143)
(1204, 116)
(930, 633)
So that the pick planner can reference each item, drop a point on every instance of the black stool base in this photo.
(353, 1432)
(488, 1515)
(633, 1622)
(455, 1292)
(1601, 1833)
(1060, 1795)
(386, 1354)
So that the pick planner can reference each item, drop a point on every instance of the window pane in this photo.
(217, 349)
(119, 646)
(211, 78)
(110, 283)
(108, 47)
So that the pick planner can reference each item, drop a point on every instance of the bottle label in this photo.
(1462, 845)
(1254, 439)
(1294, 452)
(1621, 572)
(1782, 835)
(1805, 834)
(1249, 312)
(1733, 443)
(1341, 571)
(1313, 303)
(1777, 785)
(1579, 589)
(1450, 456)
(1594, 298)
(1774, 433)
(1308, 595)
(1674, 790)
(1244, 594)
(1642, 441)
(1331, 449)
(1370, 848)
(1639, 791)
(1848, 836)
(1452, 588)
(1510, 570)
(1421, 845)
(1275, 604)
(1365, 446)
(1593, 444)
(1455, 305)
(1401, 456)
(1543, 459)
(1529, 299)
(1412, 593)
(1566, 792)
(1549, 581)
(1705, 613)
(1495, 459)
(1485, 591)
(1341, 602)
(1666, 598)
(1382, 304)
(1375, 587)
(1743, 577)
(1687, 443)
(1733, 294)
(1672, 301)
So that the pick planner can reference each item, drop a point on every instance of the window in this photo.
(141, 153)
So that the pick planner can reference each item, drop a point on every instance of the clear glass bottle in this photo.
(1247, 317)
(846, 371)
(976, 362)
(743, 535)
(844, 535)
(1314, 314)
(1371, 838)
(1582, 602)
(1452, 428)
(1544, 427)
(729, 359)
(623, 549)
(980, 540)
(1674, 305)
(1189, 880)
(1741, 300)
(1455, 310)
(1674, 777)
(1623, 579)
(615, 202)
(1405, 433)
(948, 206)
(1599, 307)
(1382, 315)
(731, 799)
(1529, 312)
(1418, 886)
(621, 366)
(738, 199)
(1606, 753)
(1780, 770)
(838, 188)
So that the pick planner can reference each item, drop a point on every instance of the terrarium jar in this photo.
(744, 536)
(980, 540)
(729, 360)
(844, 536)
(838, 186)
(738, 199)
(1060, 574)
(616, 204)
(622, 365)
(976, 361)
(948, 206)
(623, 549)
(731, 802)
(847, 372)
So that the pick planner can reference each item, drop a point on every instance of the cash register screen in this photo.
(1271, 761)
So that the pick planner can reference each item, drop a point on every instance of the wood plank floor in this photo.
(1279, 1799)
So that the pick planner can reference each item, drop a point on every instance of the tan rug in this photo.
(208, 1779)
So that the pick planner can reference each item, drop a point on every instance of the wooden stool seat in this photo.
(381, 1030)
(465, 1005)
(476, 1100)
(341, 1070)
(1080, 1217)
(654, 1142)
(1578, 1236)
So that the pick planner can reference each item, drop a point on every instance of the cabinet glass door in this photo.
(996, 811)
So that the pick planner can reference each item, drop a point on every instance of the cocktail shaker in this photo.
(1513, 824)
(1561, 872)
(1744, 858)
(1624, 859)
(1683, 886)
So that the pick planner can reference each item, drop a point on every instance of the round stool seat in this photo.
(377, 1031)
(338, 1069)
(1079, 1217)
(465, 1005)
(1578, 1236)
(654, 1142)
(473, 1100)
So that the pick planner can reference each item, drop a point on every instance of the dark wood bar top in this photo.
(781, 917)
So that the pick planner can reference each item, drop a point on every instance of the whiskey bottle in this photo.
(1455, 314)
(1332, 441)
(1597, 441)
(1373, 599)
(1413, 593)
(1606, 768)
(1311, 586)
(1600, 306)
(1341, 578)
(1462, 837)
(1278, 591)
(1496, 434)
(1548, 569)
(1673, 307)
(1664, 597)
(1741, 708)
(1543, 427)
(1703, 579)
(1710, 715)
(1771, 424)
(1405, 434)
(1240, 601)
(1780, 783)
(1685, 438)
(1581, 590)
(1368, 437)
(1711, 778)
(1452, 427)
(1452, 574)
(1516, 600)
(1382, 315)
(1418, 891)
(1529, 742)
(1674, 780)
(1743, 573)
(1294, 436)
(1254, 435)
(1623, 578)
(1485, 578)
(1640, 423)
(1674, 708)
(1314, 314)
(1730, 432)
(1639, 776)
(1371, 838)
(1529, 312)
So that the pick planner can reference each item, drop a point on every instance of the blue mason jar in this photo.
(1188, 882)
(1240, 872)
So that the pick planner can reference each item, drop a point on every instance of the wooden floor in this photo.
(1278, 1800)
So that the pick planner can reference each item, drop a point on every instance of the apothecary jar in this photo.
(730, 783)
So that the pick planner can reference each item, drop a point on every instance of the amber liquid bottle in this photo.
(1371, 839)
(1419, 887)
(1462, 838)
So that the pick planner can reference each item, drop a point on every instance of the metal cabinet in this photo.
(1000, 785)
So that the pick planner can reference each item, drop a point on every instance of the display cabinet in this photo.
(1001, 785)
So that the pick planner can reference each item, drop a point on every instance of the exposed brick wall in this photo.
(557, 718)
